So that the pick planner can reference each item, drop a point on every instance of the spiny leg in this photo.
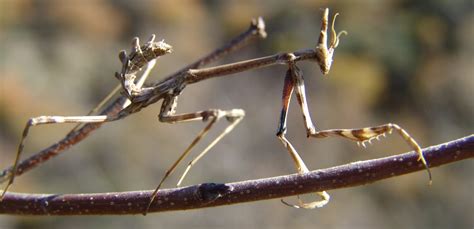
(288, 88)
(167, 114)
(48, 120)
(363, 135)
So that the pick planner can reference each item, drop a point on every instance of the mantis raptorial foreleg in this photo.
(290, 84)
(367, 134)
(294, 79)
(360, 135)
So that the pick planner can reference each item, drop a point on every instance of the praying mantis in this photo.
(142, 59)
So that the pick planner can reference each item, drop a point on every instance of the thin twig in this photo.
(211, 195)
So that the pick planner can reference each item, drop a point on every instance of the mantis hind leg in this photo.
(41, 120)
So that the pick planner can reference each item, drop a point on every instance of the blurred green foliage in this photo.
(407, 62)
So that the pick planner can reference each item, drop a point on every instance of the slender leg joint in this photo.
(41, 120)
(311, 205)
(294, 79)
(366, 135)
(234, 116)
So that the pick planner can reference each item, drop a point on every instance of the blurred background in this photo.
(407, 62)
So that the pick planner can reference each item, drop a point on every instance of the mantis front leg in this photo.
(359, 135)
(290, 83)
(294, 79)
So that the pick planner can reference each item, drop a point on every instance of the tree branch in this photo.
(211, 195)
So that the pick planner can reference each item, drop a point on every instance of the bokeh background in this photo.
(407, 62)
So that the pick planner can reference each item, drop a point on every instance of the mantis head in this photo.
(325, 51)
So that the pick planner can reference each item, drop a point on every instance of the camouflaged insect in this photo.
(137, 59)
